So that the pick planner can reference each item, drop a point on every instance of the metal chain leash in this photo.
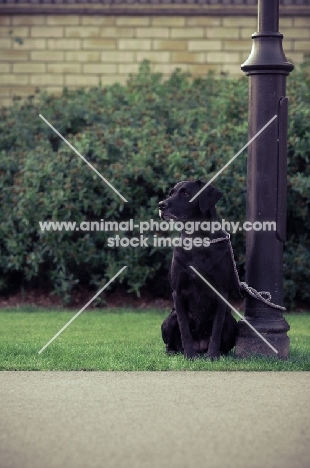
(263, 296)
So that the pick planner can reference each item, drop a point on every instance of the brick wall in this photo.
(50, 52)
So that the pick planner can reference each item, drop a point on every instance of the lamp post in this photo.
(267, 69)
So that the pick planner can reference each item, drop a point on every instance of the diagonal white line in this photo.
(84, 159)
(76, 315)
(235, 310)
(224, 167)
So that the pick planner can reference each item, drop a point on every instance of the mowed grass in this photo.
(121, 340)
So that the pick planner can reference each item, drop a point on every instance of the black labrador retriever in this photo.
(200, 321)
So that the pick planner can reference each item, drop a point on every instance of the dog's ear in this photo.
(208, 197)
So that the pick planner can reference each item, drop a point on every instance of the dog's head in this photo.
(178, 207)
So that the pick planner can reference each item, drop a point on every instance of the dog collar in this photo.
(220, 239)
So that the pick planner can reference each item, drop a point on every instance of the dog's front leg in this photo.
(217, 327)
(183, 321)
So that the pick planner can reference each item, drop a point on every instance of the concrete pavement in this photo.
(154, 419)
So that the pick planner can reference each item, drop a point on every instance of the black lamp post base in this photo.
(272, 329)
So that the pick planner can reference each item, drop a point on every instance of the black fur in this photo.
(200, 321)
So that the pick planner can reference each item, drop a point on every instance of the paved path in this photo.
(154, 419)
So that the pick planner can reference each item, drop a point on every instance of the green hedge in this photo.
(143, 137)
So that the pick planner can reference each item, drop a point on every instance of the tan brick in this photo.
(106, 80)
(238, 45)
(167, 21)
(83, 56)
(132, 21)
(5, 90)
(31, 44)
(102, 44)
(204, 21)
(164, 76)
(240, 21)
(86, 31)
(22, 31)
(22, 90)
(232, 69)
(288, 45)
(302, 45)
(285, 22)
(128, 68)
(5, 31)
(187, 57)
(117, 56)
(5, 102)
(5, 43)
(244, 56)
(5, 67)
(98, 20)
(301, 21)
(204, 45)
(47, 55)
(296, 58)
(5, 20)
(99, 68)
(59, 20)
(11, 79)
(51, 32)
(117, 32)
(153, 56)
(166, 68)
(82, 80)
(28, 20)
(296, 33)
(223, 57)
(225, 33)
(56, 90)
(63, 44)
(46, 79)
(134, 44)
(152, 32)
(246, 33)
(184, 33)
(13, 55)
(29, 67)
(169, 45)
(203, 69)
(64, 67)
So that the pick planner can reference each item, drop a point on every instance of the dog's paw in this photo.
(190, 354)
(213, 356)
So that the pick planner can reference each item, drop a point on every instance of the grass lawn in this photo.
(120, 340)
